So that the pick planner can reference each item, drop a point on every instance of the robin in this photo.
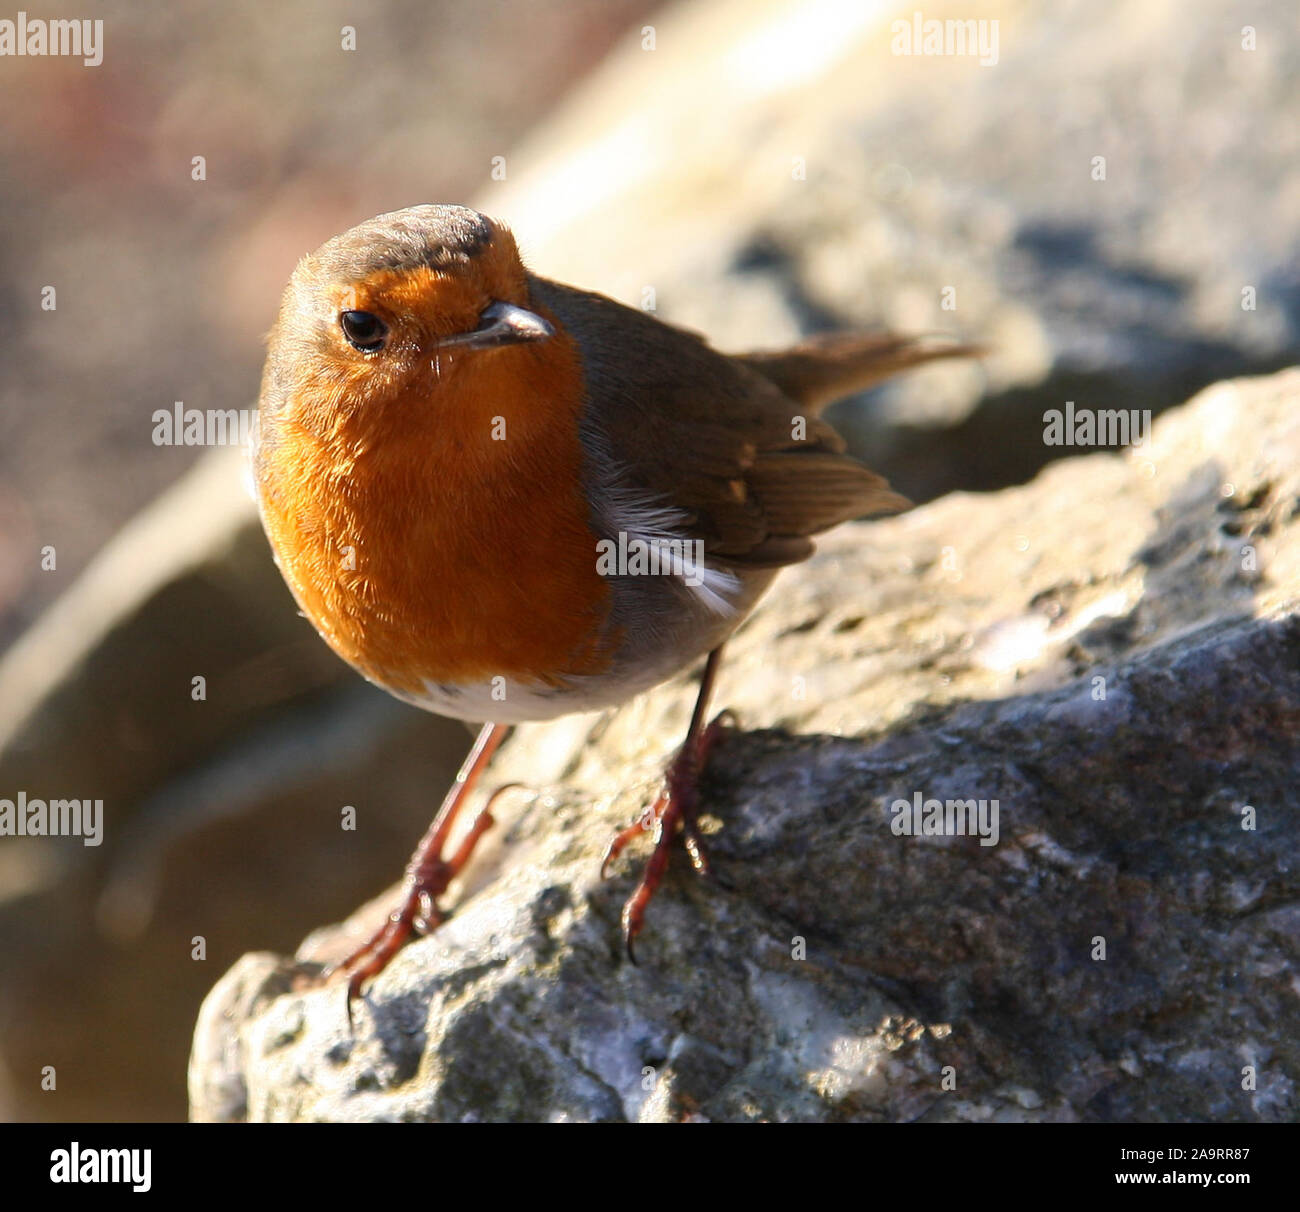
(501, 498)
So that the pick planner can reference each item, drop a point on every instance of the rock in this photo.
(1089, 204)
(671, 168)
(1107, 655)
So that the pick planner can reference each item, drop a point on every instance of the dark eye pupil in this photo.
(363, 329)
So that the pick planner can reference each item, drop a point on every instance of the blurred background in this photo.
(1108, 196)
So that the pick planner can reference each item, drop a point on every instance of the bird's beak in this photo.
(501, 324)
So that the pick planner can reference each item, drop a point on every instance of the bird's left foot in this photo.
(678, 804)
(427, 878)
(427, 874)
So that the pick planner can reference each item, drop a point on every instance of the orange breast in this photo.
(443, 535)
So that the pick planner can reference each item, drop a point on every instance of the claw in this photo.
(645, 823)
(427, 874)
(676, 805)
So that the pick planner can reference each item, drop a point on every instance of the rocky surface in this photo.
(671, 169)
(1094, 204)
(1109, 652)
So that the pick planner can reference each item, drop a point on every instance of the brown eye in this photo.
(363, 329)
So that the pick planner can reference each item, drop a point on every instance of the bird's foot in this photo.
(427, 874)
(418, 912)
(676, 805)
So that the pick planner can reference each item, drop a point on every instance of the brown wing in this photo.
(755, 471)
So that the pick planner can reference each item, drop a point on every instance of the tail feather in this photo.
(833, 365)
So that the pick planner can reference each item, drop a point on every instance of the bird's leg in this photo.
(428, 873)
(676, 804)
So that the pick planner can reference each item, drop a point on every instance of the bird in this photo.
(502, 499)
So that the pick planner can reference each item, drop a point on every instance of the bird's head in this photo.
(384, 312)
